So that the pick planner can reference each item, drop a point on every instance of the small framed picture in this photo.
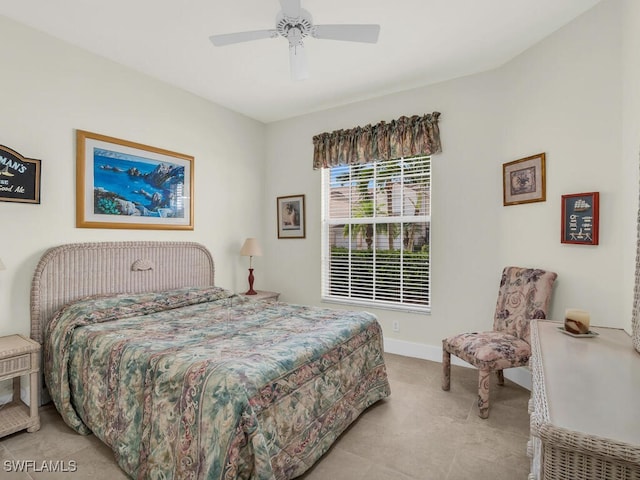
(291, 221)
(523, 181)
(580, 218)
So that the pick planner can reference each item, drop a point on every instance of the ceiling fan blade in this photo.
(290, 8)
(229, 38)
(298, 62)
(349, 33)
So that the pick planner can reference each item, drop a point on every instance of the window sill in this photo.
(380, 306)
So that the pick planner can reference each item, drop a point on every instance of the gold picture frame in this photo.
(122, 184)
(524, 180)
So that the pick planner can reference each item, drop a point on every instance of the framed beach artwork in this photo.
(580, 218)
(122, 184)
(524, 181)
(291, 221)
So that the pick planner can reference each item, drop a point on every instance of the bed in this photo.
(184, 379)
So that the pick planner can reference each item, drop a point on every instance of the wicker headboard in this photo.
(69, 272)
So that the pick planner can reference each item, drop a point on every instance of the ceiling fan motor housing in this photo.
(294, 29)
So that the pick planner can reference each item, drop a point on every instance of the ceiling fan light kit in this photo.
(295, 24)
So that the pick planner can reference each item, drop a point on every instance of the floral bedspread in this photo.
(200, 383)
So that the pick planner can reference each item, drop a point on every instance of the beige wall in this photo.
(630, 140)
(574, 96)
(47, 90)
(563, 97)
(465, 196)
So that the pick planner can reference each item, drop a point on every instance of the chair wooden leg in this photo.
(500, 375)
(483, 393)
(446, 370)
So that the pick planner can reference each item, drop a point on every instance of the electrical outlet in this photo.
(396, 326)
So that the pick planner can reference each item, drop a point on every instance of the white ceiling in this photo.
(421, 42)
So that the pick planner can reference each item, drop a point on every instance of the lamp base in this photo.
(251, 291)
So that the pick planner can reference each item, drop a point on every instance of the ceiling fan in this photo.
(294, 23)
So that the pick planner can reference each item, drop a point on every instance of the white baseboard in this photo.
(520, 375)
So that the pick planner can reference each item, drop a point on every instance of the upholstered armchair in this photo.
(525, 294)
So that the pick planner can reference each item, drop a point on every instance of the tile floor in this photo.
(419, 433)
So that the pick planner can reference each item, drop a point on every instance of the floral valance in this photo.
(404, 137)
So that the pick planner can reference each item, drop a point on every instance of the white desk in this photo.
(585, 405)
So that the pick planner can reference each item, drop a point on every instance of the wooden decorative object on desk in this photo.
(577, 321)
(19, 356)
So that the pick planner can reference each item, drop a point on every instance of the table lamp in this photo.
(251, 248)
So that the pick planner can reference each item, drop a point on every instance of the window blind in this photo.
(376, 220)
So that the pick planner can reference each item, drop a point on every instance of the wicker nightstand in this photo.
(19, 356)
(263, 296)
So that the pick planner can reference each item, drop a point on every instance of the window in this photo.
(375, 224)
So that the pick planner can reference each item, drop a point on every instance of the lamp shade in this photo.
(2, 267)
(251, 248)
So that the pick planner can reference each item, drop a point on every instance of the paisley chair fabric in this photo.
(525, 294)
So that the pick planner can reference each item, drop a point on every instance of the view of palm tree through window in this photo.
(376, 222)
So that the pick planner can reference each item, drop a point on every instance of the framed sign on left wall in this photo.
(19, 177)
(122, 184)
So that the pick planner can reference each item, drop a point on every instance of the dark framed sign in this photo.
(580, 218)
(19, 177)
